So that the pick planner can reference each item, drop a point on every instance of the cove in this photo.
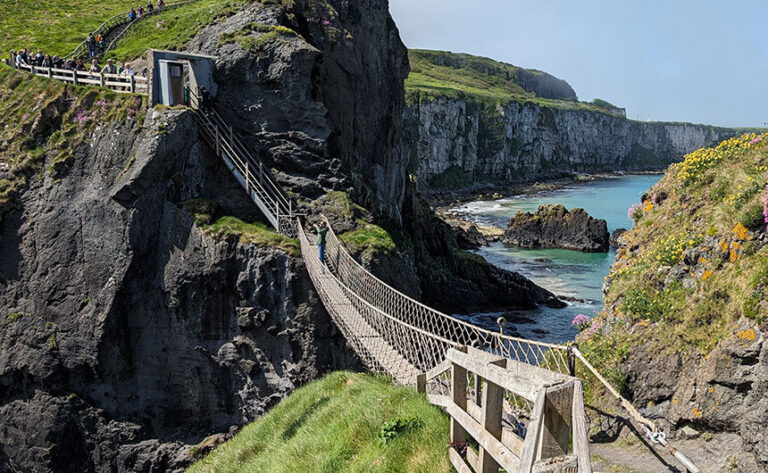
(566, 273)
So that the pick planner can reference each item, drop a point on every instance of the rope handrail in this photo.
(433, 311)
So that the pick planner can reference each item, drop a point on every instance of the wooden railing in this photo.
(557, 418)
(118, 20)
(252, 174)
(118, 83)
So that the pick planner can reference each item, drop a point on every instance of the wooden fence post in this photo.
(101, 78)
(459, 397)
(50, 73)
(556, 428)
(580, 439)
(133, 83)
(74, 76)
(421, 380)
(493, 405)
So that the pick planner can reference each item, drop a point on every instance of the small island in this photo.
(553, 226)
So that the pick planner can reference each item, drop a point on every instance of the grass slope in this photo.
(55, 26)
(696, 261)
(172, 29)
(337, 424)
(478, 78)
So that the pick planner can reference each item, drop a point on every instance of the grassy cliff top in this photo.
(344, 422)
(58, 26)
(695, 266)
(55, 26)
(445, 74)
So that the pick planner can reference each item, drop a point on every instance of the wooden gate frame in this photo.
(557, 414)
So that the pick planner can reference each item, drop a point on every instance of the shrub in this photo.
(752, 217)
(644, 304)
(394, 427)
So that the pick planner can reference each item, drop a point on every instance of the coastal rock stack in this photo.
(553, 226)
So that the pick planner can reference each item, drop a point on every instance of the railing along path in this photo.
(116, 82)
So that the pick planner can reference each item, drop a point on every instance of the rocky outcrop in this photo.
(553, 226)
(461, 142)
(128, 333)
(324, 105)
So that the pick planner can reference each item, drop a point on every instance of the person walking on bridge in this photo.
(321, 230)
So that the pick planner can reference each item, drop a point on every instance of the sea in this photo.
(567, 273)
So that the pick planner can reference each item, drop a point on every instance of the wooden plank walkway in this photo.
(366, 340)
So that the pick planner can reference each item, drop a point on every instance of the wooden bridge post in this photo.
(556, 426)
(493, 409)
(459, 397)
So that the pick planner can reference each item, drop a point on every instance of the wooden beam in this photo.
(522, 386)
(459, 398)
(530, 446)
(421, 383)
(503, 455)
(472, 458)
(557, 421)
(579, 420)
(493, 408)
(513, 441)
(458, 462)
(441, 368)
(438, 400)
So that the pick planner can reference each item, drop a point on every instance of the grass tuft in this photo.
(255, 233)
(336, 425)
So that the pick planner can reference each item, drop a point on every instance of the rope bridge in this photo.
(392, 333)
(396, 335)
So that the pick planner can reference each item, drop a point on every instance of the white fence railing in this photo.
(116, 82)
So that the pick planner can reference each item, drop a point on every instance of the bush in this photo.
(752, 217)
(644, 304)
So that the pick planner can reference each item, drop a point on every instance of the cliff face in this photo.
(686, 309)
(323, 101)
(458, 142)
(127, 331)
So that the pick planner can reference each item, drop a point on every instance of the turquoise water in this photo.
(566, 273)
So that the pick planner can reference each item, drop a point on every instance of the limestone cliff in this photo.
(466, 133)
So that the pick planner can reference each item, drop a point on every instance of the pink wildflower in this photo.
(581, 322)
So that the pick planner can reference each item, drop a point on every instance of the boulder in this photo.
(553, 226)
(615, 236)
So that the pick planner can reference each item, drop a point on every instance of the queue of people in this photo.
(134, 14)
(25, 57)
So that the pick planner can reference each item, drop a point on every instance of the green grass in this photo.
(256, 233)
(39, 126)
(172, 29)
(437, 74)
(55, 26)
(344, 422)
(369, 237)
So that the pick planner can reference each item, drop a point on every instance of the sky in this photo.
(700, 61)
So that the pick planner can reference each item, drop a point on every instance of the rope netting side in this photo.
(415, 314)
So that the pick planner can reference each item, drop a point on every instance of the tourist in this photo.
(150, 7)
(39, 58)
(131, 14)
(47, 61)
(21, 58)
(91, 44)
(206, 100)
(58, 63)
(141, 10)
(102, 43)
(95, 67)
(13, 58)
(160, 5)
(79, 66)
(321, 229)
(110, 68)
